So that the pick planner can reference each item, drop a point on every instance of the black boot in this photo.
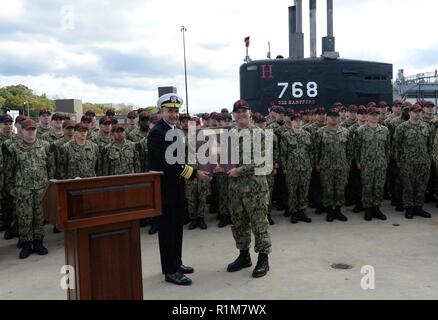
(154, 228)
(287, 213)
(378, 214)
(303, 217)
(242, 261)
(19, 244)
(39, 248)
(418, 211)
(223, 222)
(56, 230)
(271, 222)
(368, 214)
(202, 224)
(294, 218)
(9, 234)
(409, 214)
(193, 224)
(330, 214)
(229, 221)
(339, 215)
(26, 250)
(262, 266)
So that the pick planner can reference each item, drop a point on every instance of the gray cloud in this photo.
(95, 23)
(91, 21)
(112, 68)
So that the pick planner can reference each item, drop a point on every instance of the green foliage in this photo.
(19, 97)
(100, 109)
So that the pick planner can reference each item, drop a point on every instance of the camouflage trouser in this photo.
(414, 178)
(7, 210)
(222, 187)
(271, 181)
(30, 214)
(298, 183)
(373, 183)
(196, 195)
(249, 211)
(333, 184)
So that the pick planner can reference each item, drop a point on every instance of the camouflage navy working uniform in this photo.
(333, 152)
(372, 155)
(79, 161)
(249, 200)
(117, 161)
(31, 168)
(297, 159)
(413, 144)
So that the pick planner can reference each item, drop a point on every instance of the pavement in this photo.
(398, 259)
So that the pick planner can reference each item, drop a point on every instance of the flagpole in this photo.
(183, 29)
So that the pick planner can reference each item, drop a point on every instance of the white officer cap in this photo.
(170, 100)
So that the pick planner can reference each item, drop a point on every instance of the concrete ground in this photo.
(403, 253)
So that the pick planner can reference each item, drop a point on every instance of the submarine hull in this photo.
(314, 82)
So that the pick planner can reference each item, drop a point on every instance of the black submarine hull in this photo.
(314, 82)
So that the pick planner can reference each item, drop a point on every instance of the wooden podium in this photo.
(100, 217)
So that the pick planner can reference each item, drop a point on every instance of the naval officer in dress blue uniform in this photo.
(170, 225)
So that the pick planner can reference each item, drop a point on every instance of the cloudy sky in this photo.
(121, 51)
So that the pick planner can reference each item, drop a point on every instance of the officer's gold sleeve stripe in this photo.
(184, 171)
(187, 172)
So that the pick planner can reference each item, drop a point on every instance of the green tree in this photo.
(97, 108)
(18, 97)
(125, 110)
(15, 103)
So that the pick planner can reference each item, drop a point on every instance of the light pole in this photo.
(26, 104)
(183, 29)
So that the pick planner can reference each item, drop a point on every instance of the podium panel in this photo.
(100, 217)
